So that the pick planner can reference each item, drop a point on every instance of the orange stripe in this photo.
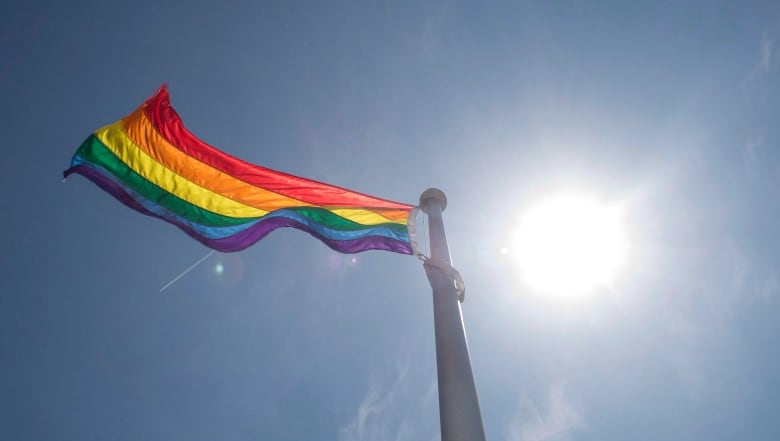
(143, 133)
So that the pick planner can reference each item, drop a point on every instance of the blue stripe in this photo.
(212, 232)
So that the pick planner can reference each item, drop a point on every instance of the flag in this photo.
(153, 164)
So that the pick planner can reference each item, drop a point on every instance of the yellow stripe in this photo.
(142, 133)
(117, 141)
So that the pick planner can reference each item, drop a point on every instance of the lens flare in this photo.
(228, 270)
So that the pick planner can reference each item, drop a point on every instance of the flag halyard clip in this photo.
(428, 263)
(448, 270)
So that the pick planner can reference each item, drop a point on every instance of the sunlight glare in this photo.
(569, 245)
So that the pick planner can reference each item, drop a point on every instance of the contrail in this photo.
(192, 267)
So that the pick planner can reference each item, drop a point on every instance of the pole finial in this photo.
(435, 194)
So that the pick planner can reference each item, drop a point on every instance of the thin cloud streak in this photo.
(557, 422)
(371, 420)
(755, 283)
(391, 410)
(767, 46)
(762, 69)
(750, 153)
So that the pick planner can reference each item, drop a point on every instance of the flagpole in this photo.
(459, 414)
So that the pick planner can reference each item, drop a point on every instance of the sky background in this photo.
(668, 109)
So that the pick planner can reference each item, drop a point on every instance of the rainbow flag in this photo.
(153, 164)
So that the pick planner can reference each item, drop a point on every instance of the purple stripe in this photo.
(249, 236)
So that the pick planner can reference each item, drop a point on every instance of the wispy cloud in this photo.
(767, 52)
(755, 282)
(750, 153)
(754, 87)
(769, 287)
(556, 422)
(372, 419)
(391, 410)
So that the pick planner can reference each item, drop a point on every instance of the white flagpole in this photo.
(459, 414)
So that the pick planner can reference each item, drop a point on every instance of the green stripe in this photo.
(92, 150)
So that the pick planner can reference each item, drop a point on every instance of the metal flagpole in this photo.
(459, 413)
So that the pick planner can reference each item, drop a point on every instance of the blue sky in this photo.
(669, 109)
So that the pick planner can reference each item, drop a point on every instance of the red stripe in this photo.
(170, 126)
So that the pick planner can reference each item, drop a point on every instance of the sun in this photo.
(569, 244)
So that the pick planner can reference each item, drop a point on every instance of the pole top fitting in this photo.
(433, 194)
